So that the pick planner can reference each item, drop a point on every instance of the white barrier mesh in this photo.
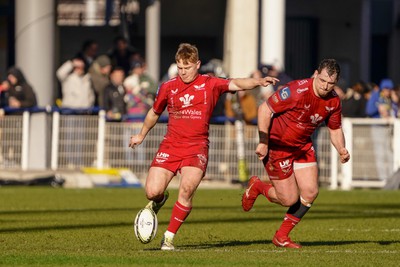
(77, 141)
(372, 142)
(322, 146)
(11, 141)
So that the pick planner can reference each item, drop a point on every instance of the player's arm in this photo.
(149, 121)
(338, 141)
(238, 84)
(264, 122)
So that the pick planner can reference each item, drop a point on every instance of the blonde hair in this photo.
(187, 53)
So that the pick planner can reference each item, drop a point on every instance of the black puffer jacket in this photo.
(22, 91)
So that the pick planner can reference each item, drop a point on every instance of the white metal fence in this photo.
(89, 141)
(14, 131)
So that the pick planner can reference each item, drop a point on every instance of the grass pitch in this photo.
(93, 227)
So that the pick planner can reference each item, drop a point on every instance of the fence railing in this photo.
(79, 141)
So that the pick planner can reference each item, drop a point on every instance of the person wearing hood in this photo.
(20, 93)
(17, 94)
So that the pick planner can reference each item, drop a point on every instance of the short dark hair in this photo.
(331, 66)
(117, 68)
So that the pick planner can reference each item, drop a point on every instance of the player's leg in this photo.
(156, 184)
(190, 180)
(255, 187)
(307, 180)
(281, 190)
(284, 192)
(306, 177)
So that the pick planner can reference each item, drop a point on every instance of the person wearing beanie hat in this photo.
(380, 102)
(386, 84)
(100, 74)
(387, 98)
(103, 61)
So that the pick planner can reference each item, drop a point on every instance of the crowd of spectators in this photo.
(115, 81)
(88, 80)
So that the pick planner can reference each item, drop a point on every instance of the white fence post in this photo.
(334, 169)
(55, 140)
(396, 145)
(101, 139)
(347, 168)
(25, 140)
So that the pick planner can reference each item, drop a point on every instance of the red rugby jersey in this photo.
(298, 112)
(189, 106)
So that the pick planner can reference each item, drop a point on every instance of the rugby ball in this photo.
(145, 225)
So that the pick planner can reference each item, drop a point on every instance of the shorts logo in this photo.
(271, 167)
(161, 157)
(284, 93)
(202, 158)
(285, 166)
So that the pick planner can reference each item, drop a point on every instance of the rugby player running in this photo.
(286, 122)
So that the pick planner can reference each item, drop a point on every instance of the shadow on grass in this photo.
(269, 243)
(162, 222)
(63, 227)
(355, 210)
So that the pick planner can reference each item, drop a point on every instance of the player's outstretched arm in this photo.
(238, 84)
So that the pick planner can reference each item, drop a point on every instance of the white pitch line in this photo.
(363, 230)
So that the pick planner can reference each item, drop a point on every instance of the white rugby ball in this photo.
(145, 225)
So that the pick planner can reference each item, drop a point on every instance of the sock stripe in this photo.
(292, 218)
(178, 216)
(183, 208)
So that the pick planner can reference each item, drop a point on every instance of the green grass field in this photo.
(93, 227)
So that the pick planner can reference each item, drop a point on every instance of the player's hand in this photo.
(344, 155)
(261, 151)
(269, 80)
(135, 140)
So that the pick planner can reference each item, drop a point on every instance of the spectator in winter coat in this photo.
(19, 93)
(76, 85)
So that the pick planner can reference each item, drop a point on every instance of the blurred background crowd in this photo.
(118, 82)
